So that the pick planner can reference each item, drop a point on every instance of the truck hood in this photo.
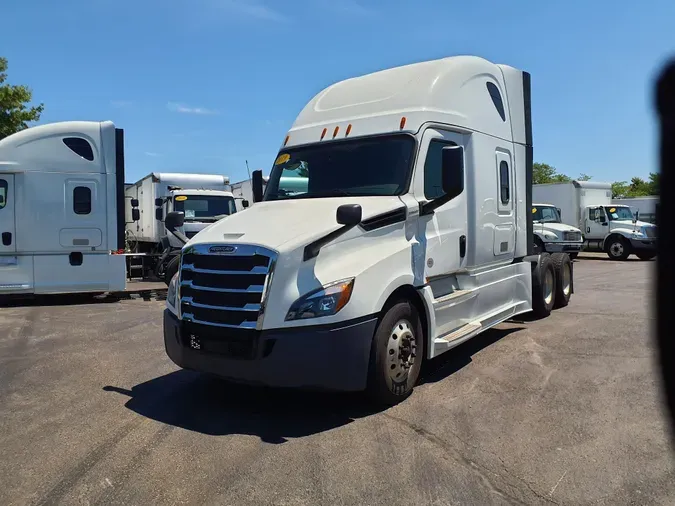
(630, 224)
(556, 227)
(286, 224)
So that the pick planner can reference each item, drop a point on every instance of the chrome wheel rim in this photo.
(401, 351)
(567, 279)
(548, 286)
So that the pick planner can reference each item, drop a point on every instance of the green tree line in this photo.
(15, 113)
(636, 187)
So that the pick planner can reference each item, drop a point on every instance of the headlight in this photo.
(171, 293)
(325, 301)
(550, 236)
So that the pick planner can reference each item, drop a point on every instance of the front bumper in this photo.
(563, 247)
(646, 245)
(321, 357)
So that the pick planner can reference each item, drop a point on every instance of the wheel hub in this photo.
(401, 350)
(616, 249)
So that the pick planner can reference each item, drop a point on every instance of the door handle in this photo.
(6, 238)
(462, 246)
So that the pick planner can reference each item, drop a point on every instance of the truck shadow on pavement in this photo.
(207, 405)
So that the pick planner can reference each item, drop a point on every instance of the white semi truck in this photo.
(407, 230)
(62, 209)
(551, 235)
(202, 198)
(610, 228)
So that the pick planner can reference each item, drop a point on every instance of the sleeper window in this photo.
(82, 200)
(3, 193)
(504, 185)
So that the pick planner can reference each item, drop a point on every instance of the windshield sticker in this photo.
(612, 210)
(282, 159)
(534, 210)
(189, 213)
(181, 198)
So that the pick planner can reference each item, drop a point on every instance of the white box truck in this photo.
(395, 225)
(202, 198)
(551, 234)
(610, 228)
(62, 209)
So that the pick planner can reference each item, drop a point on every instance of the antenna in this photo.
(248, 170)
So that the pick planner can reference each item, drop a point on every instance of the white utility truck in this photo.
(202, 198)
(610, 228)
(406, 232)
(551, 235)
(62, 209)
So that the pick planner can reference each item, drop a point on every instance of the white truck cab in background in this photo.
(202, 198)
(62, 209)
(395, 225)
(551, 235)
(606, 227)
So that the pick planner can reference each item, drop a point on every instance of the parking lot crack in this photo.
(485, 472)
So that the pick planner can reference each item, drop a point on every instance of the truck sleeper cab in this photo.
(551, 235)
(394, 226)
(62, 209)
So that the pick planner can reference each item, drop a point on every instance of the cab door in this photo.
(597, 225)
(7, 222)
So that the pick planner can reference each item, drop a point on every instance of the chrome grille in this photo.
(224, 285)
(572, 236)
(651, 232)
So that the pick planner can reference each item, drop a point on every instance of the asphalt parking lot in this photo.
(565, 410)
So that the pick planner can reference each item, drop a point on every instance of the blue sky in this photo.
(203, 85)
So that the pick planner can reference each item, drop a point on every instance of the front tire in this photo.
(617, 248)
(563, 279)
(539, 247)
(543, 287)
(396, 355)
(171, 269)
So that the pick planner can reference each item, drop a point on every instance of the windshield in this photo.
(371, 166)
(203, 207)
(545, 214)
(619, 213)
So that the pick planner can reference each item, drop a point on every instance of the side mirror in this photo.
(2, 199)
(174, 220)
(134, 202)
(159, 202)
(349, 214)
(452, 171)
(559, 212)
(135, 214)
(637, 216)
(245, 203)
(159, 214)
(257, 185)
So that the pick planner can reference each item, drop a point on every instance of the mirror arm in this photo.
(313, 248)
(429, 207)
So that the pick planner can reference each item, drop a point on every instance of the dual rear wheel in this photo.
(551, 283)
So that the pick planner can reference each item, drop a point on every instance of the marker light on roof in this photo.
(335, 132)
(349, 129)
(402, 123)
(323, 134)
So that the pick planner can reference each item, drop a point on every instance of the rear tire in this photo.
(617, 248)
(543, 287)
(396, 354)
(563, 279)
(645, 256)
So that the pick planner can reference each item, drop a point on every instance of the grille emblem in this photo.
(222, 250)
